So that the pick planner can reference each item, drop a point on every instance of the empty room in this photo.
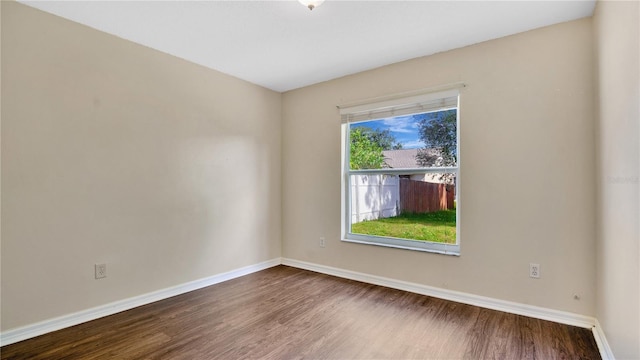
(320, 179)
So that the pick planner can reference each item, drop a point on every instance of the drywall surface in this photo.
(527, 169)
(617, 35)
(114, 153)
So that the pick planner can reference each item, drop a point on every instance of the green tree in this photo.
(364, 153)
(383, 138)
(439, 133)
(367, 145)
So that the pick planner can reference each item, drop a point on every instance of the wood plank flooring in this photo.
(288, 313)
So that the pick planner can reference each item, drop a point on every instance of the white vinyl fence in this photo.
(374, 197)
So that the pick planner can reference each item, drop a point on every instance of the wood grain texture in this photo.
(288, 313)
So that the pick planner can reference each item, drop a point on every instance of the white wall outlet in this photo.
(534, 270)
(101, 271)
(322, 242)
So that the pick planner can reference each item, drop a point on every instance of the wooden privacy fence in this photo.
(423, 197)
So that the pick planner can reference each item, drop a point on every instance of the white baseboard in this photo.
(33, 330)
(601, 340)
(29, 331)
(465, 298)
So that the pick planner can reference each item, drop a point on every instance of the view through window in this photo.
(402, 180)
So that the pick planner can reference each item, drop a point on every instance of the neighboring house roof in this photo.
(401, 159)
(404, 158)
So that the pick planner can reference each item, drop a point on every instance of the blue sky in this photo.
(404, 128)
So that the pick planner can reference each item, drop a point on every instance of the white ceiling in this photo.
(282, 45)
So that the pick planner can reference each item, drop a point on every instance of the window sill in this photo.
(443, 249)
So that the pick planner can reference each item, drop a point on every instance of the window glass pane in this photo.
(405, 142)
(418, 207)
(407, 198)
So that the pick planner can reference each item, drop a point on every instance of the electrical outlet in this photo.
(322, 242)
(101, 271)
(534, 271)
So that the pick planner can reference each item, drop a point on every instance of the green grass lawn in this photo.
(437, 226)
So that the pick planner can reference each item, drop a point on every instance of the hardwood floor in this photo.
(288, 313)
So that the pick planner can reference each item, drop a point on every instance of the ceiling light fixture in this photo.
(311, 4)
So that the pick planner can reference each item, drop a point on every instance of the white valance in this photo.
(401, 104)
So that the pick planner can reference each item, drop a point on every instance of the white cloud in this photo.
(401, 124)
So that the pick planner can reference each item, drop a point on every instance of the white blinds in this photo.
(397, 106)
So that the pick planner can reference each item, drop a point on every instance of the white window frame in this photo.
(397, 105)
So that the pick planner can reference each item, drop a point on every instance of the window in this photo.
(400, 172)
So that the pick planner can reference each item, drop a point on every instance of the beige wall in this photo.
(617, 35)
(526, 179)
(0, 168)
(116, 153)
